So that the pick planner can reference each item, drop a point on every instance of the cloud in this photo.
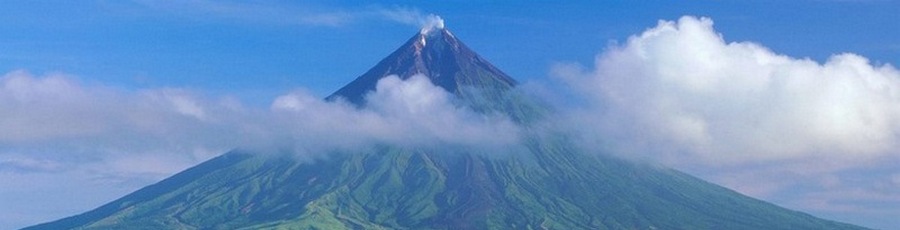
(77, 138)
(56, 117)
(819, 137)
(304, 14)
(414, 17)
(680, 89)
(55, 107)
(273, 13)
(53, 123)
(412, 113)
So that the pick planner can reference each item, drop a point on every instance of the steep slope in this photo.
(446, 61)
(451, 65)
(549, 185)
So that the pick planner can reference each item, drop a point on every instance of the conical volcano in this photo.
(548, 184)
(437, 54)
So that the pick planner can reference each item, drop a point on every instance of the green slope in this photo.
(552, 187)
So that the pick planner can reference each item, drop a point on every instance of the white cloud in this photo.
(411, 113)
(819, 137)
(679, 89)
(55, 117)
(414, 17)
(304, 14)
(259, 12)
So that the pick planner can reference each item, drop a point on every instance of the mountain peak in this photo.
(437, 54)
(432, 23)
(436, 35)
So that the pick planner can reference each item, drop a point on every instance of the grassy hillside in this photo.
(551, 187)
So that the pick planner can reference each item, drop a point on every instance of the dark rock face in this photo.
(446, 61)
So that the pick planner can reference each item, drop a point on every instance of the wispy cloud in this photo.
(293, 13)
(412, 16)
(277, 13)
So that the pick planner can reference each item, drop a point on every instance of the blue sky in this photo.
(249, 50)
(213, 55)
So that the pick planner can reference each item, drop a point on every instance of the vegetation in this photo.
(389, 188)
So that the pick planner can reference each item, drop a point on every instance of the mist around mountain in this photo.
(540, 180)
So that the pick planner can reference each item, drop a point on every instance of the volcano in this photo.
(550, 184)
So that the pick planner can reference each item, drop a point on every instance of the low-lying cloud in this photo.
(408, 113)
(94, 139)
(56, 108)
(57, 115)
